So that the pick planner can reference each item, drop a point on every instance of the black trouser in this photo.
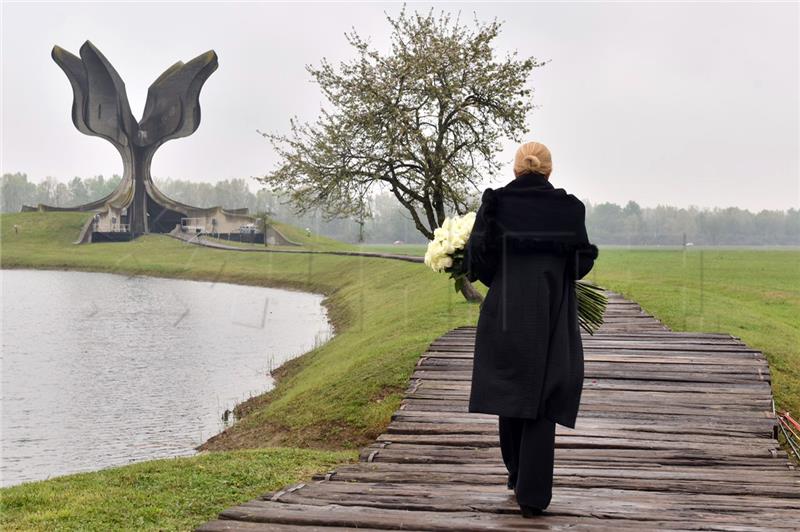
(528, 447)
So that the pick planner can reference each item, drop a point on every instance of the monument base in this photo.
(254, 238)
(112, 236)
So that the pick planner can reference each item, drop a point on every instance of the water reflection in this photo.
(101, 369)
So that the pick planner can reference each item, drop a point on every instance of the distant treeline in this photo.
(17, 191)
(607, 223)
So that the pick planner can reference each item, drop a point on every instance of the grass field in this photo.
(171, 494)
(341, 395)
(752, 294)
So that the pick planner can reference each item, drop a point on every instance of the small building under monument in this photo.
(112, 220)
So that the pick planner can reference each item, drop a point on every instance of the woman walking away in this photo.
(529, 245)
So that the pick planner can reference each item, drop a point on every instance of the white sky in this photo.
(670, 103)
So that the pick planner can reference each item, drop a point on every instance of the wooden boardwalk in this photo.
(675, 432)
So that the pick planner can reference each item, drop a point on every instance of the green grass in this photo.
(319, 243)
(250, 245)
(171, 494)
(342, 394)
(312, 241)
(417, 250)
(750, 293)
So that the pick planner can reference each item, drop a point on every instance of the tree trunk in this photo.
(469, 292)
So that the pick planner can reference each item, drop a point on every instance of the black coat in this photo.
(528, 245)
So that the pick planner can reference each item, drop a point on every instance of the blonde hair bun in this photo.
(532, 162)
(533, 157)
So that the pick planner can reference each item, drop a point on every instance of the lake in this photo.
(101, 369)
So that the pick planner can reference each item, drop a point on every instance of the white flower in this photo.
(444, 263)
(440, 233)
(447, 239)
(435, 253)
(448, 247)
(466, 223)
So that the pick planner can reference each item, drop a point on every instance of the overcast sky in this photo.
(673, 103)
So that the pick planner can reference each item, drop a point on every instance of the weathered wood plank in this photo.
(619, 503)
(357, 517)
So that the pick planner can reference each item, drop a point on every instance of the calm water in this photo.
(101, 370)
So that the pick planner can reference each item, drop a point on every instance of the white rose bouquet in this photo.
(445, 252)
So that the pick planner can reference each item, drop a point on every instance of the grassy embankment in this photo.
(317, 242)
(170, 494)
(341, 395)
(337, 397)
(314, 241)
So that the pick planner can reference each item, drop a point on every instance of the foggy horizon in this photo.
(254, 186)
(662, 104)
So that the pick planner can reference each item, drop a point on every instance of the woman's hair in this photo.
(533, 157)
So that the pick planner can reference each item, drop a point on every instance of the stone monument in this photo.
(100, 108)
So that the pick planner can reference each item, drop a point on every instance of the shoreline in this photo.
(348, 284)
(276, 373)
(279, 285)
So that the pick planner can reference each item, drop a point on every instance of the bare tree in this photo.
(425, 120)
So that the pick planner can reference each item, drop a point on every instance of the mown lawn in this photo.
(341, 395)
(170, 494)
(750, 293)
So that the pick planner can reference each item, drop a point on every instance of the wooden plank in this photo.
(618, 503)
(419, 427)
(401, 519)
(497, 468)
(692, 457)
(226, 525)
(624, 374)
(564, 439)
